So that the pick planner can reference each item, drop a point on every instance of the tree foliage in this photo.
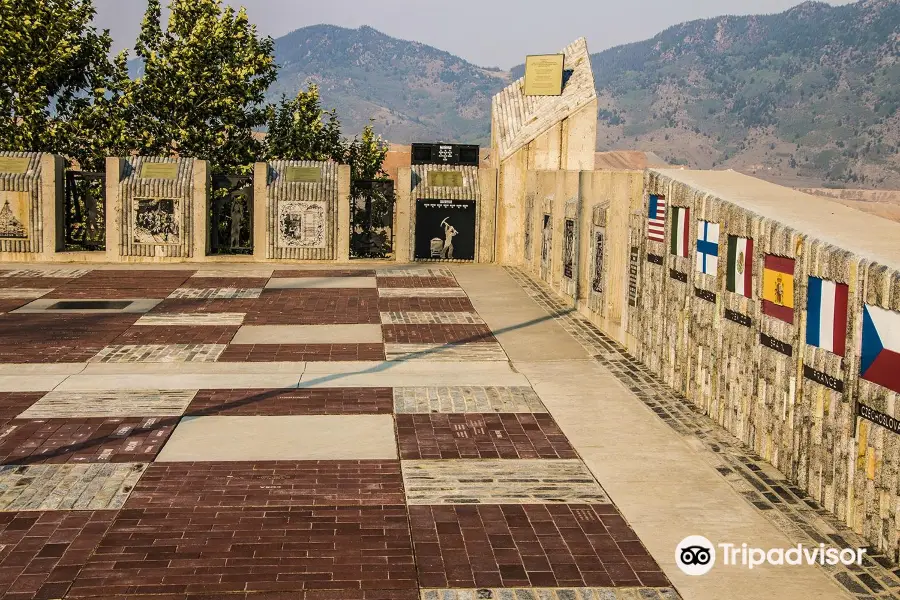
(203, 86)
(55, 76)
(300, 129)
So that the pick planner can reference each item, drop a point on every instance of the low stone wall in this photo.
(768, 340)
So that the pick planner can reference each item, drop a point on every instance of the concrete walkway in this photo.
(664, 488)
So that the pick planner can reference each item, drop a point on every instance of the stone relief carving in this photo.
(157, 221)
(14, 215)
(302, 224)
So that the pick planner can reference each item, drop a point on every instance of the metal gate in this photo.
(231, 214)
(372, 218)
(85, 211)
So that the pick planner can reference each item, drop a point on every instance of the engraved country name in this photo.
(877, 417)
(823, 379)
(678, 275)
(733, 315)
(776, 345)
(656, 259)
(705, 295)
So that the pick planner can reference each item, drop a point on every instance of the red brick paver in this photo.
(269, 483)
(177, 334)
(250, 549)
(42, 552)
(33, 441)
(277, 402)
(315, 307)
(477, 435)
(416, 282)
(13, 403)
(528, 545)
(301, 352)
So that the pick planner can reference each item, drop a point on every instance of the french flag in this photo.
(826, 312)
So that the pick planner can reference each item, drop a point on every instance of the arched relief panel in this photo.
(157, 207)
(22, 206)
(301, 212)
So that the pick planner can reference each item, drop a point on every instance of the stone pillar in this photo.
(200, 210)
(53, 209)
(580, 139)
(113, 209)
(487, 187)
(510, 201)
(403, 243)
(584, 228)
(260, 210)
(342, 214)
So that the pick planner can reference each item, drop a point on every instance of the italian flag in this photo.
(680, 230)
(740, 266)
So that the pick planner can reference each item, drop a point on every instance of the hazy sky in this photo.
(486, 32)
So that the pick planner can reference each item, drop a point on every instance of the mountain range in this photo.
(807, 97)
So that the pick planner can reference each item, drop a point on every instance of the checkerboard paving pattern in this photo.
(468, 492)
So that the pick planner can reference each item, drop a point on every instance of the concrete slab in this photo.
(315, 437)
(291, 283)
(308, 334)
(30, 383)
(182, 381)
(523, 328)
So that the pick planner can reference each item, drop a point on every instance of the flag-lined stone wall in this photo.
(796, 404)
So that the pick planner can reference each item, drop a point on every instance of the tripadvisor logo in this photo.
(696, 555)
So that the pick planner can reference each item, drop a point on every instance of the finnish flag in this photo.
(707, 247)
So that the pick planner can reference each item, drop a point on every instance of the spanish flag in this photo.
(778, 288)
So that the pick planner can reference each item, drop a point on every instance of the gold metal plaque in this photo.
(303, 174)
(445, 179)
(159, 171)
(13, 164)
(544, 74)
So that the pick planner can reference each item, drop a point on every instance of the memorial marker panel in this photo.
(445, 229)
(544, 74)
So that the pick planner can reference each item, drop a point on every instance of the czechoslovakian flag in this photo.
(880, 357)
(826, 311)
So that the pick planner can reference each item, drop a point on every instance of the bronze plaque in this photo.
(159, 170)
(544, 74)
(445, 179)
(14, 164)
(303, 174)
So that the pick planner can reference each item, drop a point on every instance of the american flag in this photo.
(656, 219)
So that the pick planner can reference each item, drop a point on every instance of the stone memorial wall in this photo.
(775, 313)
(302, 210)
(156, 201)
(784, 332)
(28, 204)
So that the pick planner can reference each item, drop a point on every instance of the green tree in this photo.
(55, 73)
(203, 86)
(300, 129)
(366, 154)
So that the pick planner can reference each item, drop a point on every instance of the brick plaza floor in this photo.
(138, 482)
